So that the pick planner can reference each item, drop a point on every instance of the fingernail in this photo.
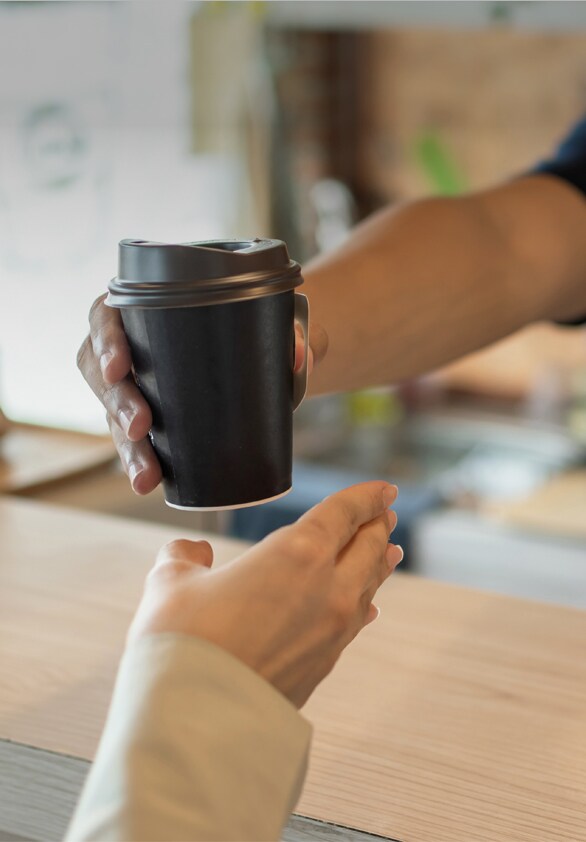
(126, 417)
(134, 469)
(377, 615)
(105, 360)
(391, 520)
(391, 555)
(390, 494)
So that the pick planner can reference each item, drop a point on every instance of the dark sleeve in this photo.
(569, 160)
(569, 163)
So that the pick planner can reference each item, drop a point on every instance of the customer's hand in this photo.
(289, 605)
(105, 362)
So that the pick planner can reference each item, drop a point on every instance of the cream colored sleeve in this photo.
(196, 747)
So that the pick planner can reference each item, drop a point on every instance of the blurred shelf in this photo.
(107, 491)
(33, 457)
(545, 15)
(469, 447)
(471, 549)
(557, 508)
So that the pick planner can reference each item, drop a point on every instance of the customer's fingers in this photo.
(185, 555)
(109, 341)
(372, 614)
(138, 460)
(363, 565)
(336, 520)
(395, 554)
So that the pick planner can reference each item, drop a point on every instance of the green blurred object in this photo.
(502, 12)
(577, 409)
(256, 7)
(374, 408)
(439, 166)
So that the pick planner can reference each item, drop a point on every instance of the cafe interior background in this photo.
(186, 120)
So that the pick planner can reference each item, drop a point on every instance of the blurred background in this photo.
(179, 121)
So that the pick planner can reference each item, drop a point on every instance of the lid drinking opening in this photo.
(229, 245)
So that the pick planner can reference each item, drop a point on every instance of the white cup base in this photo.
(227, 508)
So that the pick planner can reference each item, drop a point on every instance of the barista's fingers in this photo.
(300, 350)
(120, 396)
(318, 345)
(138, 460)
(126, 407)
(109, 342)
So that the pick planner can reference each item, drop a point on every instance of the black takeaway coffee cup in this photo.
(211, 330)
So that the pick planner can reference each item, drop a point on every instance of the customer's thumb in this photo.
(183, 554)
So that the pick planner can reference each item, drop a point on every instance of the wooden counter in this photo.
(458, 716)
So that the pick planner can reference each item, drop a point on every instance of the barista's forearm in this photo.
(422, 284)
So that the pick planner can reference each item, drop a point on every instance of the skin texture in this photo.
(419, 285)
(289, 606)
(414, 287)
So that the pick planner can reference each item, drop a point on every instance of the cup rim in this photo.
(278, 274)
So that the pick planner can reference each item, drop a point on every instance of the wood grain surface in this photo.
(69, 584)
(32, 457)
(457, 716)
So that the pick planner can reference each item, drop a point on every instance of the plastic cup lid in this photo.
(162, 275)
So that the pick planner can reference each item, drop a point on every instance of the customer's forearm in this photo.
(420, 285)
(234, 771)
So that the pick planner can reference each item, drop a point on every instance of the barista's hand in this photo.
(105, 362)
(290, 605)
(4, 423)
